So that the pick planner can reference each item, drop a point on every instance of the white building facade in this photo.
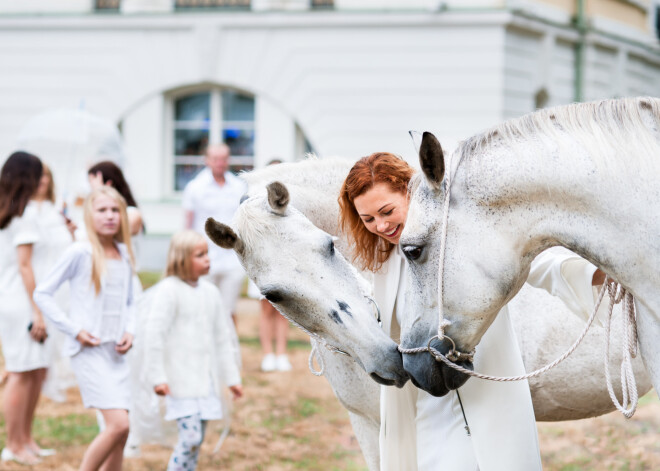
(277, 78)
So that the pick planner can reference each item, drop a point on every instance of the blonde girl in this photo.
(189, 353)
(100, 325)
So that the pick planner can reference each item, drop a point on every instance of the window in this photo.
(107, 5)
(184, 4)
(323, 3)
(211, 117)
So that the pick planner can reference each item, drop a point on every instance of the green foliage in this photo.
(149, 278)
(72, 429)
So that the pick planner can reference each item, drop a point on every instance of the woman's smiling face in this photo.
(383, 211)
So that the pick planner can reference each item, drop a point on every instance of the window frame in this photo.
(217, 124)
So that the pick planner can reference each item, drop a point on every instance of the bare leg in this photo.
(37, 378)
(281, 331)
(16, 404)
(266, 327)
(106, 452)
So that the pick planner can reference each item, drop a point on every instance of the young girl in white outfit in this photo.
(419, 431)
(189, 351)
(101, 322)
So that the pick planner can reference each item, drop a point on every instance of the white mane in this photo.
(605, 129)
(313, 172)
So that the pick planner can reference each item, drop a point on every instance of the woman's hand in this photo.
(87, 340)
(236, 391)
(38, 330)
(162, 389)
(125, 344)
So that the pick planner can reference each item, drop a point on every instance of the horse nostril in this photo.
(273, 295)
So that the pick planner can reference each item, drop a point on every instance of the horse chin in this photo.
(433, 377)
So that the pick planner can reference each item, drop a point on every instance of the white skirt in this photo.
(20, 351)
(103, 377)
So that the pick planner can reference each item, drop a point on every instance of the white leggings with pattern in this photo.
(186, 452)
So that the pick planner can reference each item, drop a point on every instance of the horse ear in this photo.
(432, 160)
(223, 235)
(278, 197)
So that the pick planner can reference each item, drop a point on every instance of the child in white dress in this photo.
(100, 324)
(189, 352)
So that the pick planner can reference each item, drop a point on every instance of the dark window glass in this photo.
(107, 4)
(323, 3)
(242, 4)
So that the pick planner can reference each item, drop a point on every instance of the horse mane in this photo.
(603, 128)
(313, 171)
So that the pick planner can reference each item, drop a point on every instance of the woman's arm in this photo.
(38, 329)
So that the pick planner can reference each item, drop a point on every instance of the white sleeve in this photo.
(44, 294)
(188, 200)
(25, 230)
(226, 343)
(159, 319)
(566, 275)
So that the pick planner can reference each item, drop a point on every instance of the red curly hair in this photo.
(371, 251)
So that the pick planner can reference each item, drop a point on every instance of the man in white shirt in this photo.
(216, 192)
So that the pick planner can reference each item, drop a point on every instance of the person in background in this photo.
(56, 232)
(108, 173)
(216, 192)
(101, 323)
(189, 348)
(22, 327)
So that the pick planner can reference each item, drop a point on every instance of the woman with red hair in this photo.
(419, 431)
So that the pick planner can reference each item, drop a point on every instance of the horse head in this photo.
(297, 269)
(476, 283)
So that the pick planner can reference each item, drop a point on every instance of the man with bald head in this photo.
(215, 192)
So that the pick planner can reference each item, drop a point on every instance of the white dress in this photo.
(110, 389)
(20, 351)
(419, 431)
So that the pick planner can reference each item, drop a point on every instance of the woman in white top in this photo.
(419, 431)
(22, 327)
(55, 235)
(100, 325)
(189, 346)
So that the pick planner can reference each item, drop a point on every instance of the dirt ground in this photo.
(291, 421)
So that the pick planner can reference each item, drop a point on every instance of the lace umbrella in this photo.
(70, 141)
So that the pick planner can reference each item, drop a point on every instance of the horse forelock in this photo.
(254, 222)
(603, 128)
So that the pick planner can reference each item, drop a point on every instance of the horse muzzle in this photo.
(432, 375)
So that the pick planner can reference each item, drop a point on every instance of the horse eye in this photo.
(331, 247)
(412, 252)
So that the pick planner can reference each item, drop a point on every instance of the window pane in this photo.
(323, 3)
(184, 173)
(107, 4)
(193, 108)
(190, 141)
(211, 3)
(240, 141)
(237, 107)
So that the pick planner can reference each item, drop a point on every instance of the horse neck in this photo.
(544, 197)
(313, 185)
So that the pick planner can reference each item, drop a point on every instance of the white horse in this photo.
(584, 176)
(277, 237)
